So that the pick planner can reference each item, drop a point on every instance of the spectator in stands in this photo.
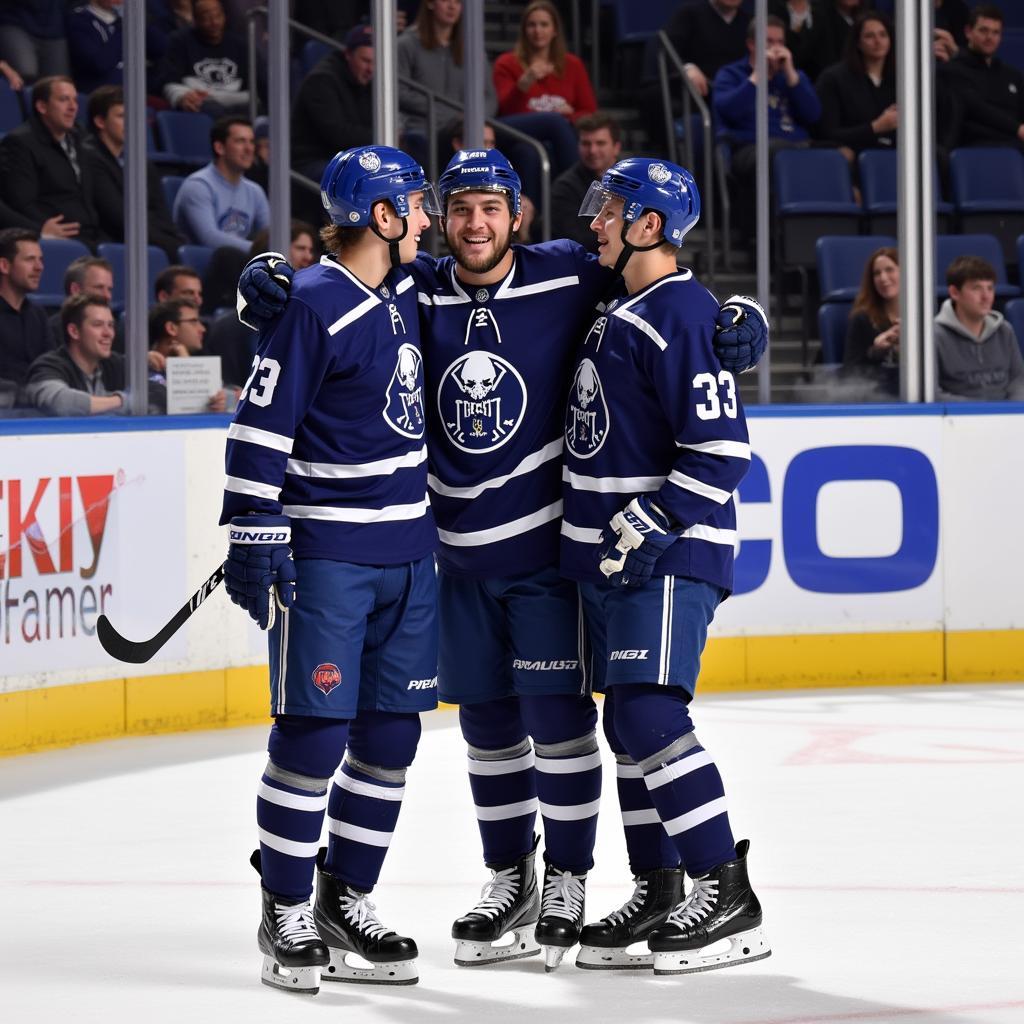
(84, 377)
(978, 358)
(94, 44)
(992, 90)
(179, 282)
(334, 106)
(89, 274)
(799, 21)
(32, 38)
(541, 87)
(871, 349)
(793, 109)
(858, 95)
(707, 35)
(24, 335)
(599, 147)
(951, 16)
(176, 331)
(103, 151)
(41, 163)
(204, 68)
(217, 205)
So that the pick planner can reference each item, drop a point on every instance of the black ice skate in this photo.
(561, 913)
(293, 951)
(348, 923)
(509, 902)
(721, 910)
(604, 945)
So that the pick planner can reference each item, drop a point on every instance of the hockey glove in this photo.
(260, 561)
(633, 541)
(741, 333)
(263, 289)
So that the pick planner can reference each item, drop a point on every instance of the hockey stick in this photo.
(128, 650)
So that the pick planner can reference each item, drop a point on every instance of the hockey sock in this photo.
(648, 845)
(501, 778)
(366, 795)
(680, 775)
(292, 799)
(568, 770)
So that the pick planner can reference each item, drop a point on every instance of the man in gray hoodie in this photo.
(978, 358)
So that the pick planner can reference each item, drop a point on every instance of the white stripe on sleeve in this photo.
(264, 438)
(239, 485)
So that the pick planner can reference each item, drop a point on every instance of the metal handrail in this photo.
(432, 98)
(667, 52)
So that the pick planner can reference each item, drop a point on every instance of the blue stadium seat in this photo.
(879, 182)
(1014, 313)
(114, 252)
(82, 117)
(832, 319)
(949, 247)
(11, 111)
(988, 189)
(1011, 49)
(195, 256)
(636, 22)
(57, 254)
(312, 53)
(185, 135)
(170, 183)
(841, 260)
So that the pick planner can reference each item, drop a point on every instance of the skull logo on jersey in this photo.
(481, 400)
(403, 407)
(586, 416)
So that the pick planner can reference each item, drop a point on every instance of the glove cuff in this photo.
(742, 301)
(260, 530)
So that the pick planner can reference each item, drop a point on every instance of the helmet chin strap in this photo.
(628, 248)
(392, 242)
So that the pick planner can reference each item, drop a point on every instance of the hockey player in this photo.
(656, 445)
(330, 522)
(501, 323)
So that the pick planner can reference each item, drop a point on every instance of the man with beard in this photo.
(500, 326)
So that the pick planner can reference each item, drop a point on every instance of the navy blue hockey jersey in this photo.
(330, 428)
(650, 411)
(498, 359)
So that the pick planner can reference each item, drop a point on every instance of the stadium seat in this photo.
(312, 53)
(11, 111)
(114, 252)
(879, 182)
(988, 189)
(949, 247)
(186, 136)
(82, 117)
(1011, 49)
(1014, 313)
(170, 183)
(637, 22)
(832, 319)
(841, 260)
(57, 254)
(195, 256)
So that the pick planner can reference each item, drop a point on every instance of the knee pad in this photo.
(555, 718)
(649, 719)
(307, 747)
(492, 724)
(384, 738)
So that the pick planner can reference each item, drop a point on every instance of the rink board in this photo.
(878, 545)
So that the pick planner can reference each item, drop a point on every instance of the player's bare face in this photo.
(479, 230)
(418, 223)
(607, 225)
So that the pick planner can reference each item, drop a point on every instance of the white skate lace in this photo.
(361, 913)
(631, 906)
(563, 896)
(296, 921)
(697, 906)
(498, 893)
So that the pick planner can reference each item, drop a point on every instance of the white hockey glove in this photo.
(633, 541)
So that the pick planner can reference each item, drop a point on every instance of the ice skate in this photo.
(349, 925)
(604, 946)
(509, 903)
(293, 952)
(717, 925)
(561, 913)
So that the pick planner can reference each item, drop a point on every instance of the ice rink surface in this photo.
(887, 848)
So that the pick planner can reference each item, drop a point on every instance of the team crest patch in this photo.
(403, 406)
(326, 677)
(586, 415)
(482, 401)
(369, 162)
(658, 173)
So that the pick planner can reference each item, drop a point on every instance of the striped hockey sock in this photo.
(504, 790)
(647, 843)
(569, 790)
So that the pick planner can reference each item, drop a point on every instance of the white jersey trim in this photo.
(580, 533)
(611, 484)
(502, 532)
(264, 438)
(404, 285)
(734, 449)
(528, 465)
(239, 485)
(389, 514)
(353, 314)
(337, 471)
(624, 313)
(507, 291)
(712, 534)
(689, 483)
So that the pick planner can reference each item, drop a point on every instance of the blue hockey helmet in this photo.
(646, 184)
(357, 178)
(481, 170)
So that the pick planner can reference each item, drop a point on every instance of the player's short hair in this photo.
(969, 268)
(989, 11)
(596, 121)
(101, 100)
(77, 269)
(222, 128)
(165, 279)
(772, 21)
(44, 87)
(9, 239)
(72, 310)
(164, 313)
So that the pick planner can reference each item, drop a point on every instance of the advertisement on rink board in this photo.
(89, 524)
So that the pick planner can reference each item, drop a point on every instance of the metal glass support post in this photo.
(474, 68)
(926, 191)
(764, 368)
(385, 74)
(278, 109)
